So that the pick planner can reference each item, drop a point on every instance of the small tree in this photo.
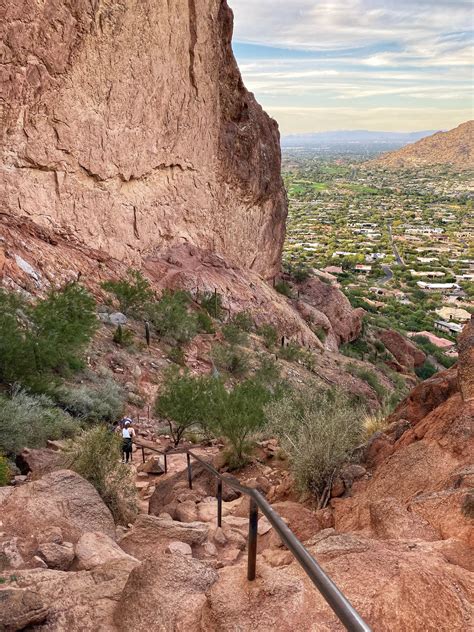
(269, 335)
(171, 318)
(132, 293)
(212, 303)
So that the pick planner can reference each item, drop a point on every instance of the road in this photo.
(388, 276)
(394, 248)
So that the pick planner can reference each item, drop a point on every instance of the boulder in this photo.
(466, 361)
(180, 547)
(57, 556)
(186, 511)
(168, 593)
(95, 549)
(151, 466)
(404, 351)
(39, 461)
(60, 500)
(20, 608)
(151, 535)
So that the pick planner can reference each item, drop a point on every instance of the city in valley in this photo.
(398, 242)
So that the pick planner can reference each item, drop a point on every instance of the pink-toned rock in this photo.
(405, 352)
(140, 162)
(95, 549)
(57, 556)
(179, 547)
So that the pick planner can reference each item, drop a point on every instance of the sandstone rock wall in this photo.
(125, 123)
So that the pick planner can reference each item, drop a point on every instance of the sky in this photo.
(392, 65)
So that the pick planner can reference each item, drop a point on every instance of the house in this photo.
(428, 274)
(438, 287)
(449, 328)
(362, 269)
(454, 313)
(441, 343)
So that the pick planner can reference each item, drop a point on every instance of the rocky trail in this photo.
(396, 538)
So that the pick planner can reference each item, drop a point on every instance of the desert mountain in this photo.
(455, 147)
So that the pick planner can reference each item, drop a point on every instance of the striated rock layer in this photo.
(126, 124)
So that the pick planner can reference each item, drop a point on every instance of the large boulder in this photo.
(421, 591)
(39, 461)
(346, 322)
(150, 535)
(60, 601)
(404, 351)
(466, 361)
(166, 593)
(61, 500)
(95, 549)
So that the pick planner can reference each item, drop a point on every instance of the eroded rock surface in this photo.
(127, 125)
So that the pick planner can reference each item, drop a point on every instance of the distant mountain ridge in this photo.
(455, 147)
(360, 136)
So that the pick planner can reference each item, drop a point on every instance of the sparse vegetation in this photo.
(172, 319)
(269, 335)
(370, 377)
(230, 359)
(95, 455)
(282, 287)
(42, 342)
(4, 471)
(426, 370)
(318, 430)
(28, 420)
(101, 400)
(123, 337)
(212, 303)
(132, 293)
(234, 335)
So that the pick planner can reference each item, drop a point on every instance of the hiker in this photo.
(127, 440)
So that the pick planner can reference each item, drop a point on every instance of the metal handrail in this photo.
(340, 605)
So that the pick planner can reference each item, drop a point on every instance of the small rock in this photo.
(219, 537)
(179, 547)
(57, 556)
(51, 534)
(263, 526)
(117, 318)
(186, 512)
(210, 549)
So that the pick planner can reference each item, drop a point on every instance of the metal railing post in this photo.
(190, 471)
(219, 502)
(143, 454)
(166, 463)
(252, 544)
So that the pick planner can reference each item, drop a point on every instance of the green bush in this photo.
(171, 317)
(5, 474)
(426, 370)
(320, 333)
(96, 457)
(318, 430)
(132, 293)
(282, 287)
(41, 342)
(212, 303)
(230, 359)
(176, 355)
(243, 320)
(268, 372)
(102, 401)
(370, 377)
(204, 322)
(123, 337)
(290, 352)
(300, 273)
(269, 335)
(234, 335)
(30, 420)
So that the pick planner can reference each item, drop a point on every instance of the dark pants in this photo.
(127, 450)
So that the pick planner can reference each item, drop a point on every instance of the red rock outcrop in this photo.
(405, 352)
(127, 125)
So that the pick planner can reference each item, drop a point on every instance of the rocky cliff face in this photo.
(126, 124)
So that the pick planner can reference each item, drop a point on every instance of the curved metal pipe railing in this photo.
(340, 605)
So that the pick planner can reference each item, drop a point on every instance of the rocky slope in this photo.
(455, 148)
(397, 538)
(126, 125)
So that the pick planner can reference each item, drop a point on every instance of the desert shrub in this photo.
(290, 352)
(318, 430)
(171, 317)
(269, 335)
(30, 420)
(5, 474)
(186, 401)
(228, 358)
(282, 287)
(102, 401)
(212, 303)
(268, 372)
(204, 322)
(243, 320)
(40, 342)
(123, 337)
(176, 355)
(95, 455)
(426, 370)
(300, 273)
(234, 335)
(132, 293)
(368, 376)
(320, 333)
(379, 346)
